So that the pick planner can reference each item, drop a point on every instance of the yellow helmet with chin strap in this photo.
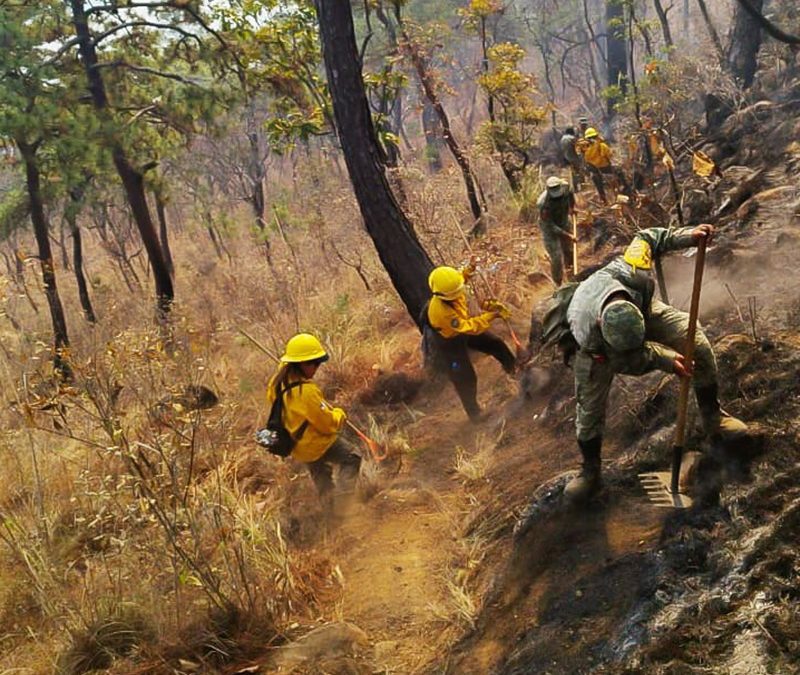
(591, 132)
(639, 254)
(304, 347)
(446, 283)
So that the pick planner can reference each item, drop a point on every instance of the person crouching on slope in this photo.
(621, 327)
(314, 424)
(450, 332)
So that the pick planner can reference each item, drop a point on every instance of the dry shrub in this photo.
(119, 491)
(105, 640)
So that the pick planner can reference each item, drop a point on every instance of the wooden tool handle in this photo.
(575, 245)
(688, 355)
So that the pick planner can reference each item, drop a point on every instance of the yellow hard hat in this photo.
(446, 282)
(304, 347)
(591, 132)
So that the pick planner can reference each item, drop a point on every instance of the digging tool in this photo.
(662, 487)
(378, 453)
(575, 245)
(514, 338)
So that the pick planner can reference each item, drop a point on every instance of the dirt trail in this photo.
(549, 601)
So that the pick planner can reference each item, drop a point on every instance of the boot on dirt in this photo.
(480, 416)
(716, 422)
(588, 481)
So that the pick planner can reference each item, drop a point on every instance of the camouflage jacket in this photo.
(638, 284)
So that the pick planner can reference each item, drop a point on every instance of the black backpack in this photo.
(276, 437)
(555, 326)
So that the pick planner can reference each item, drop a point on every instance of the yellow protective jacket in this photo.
(305, 403)
(598, 154)
(451, 318)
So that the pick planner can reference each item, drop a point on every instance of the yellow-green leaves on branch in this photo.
(517, 114)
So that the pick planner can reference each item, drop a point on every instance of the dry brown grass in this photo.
(117, 502)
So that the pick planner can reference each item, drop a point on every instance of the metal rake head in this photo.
(657, 486)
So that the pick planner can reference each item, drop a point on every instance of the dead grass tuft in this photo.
(105, 640)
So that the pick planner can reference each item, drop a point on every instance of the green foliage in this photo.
(276, 48)
(662, 89)
(517, 114)
(14, 211)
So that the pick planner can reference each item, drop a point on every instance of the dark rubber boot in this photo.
(716, 422)
(588, 481)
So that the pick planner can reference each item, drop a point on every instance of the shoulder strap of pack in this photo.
(276, 412)
(423, 315)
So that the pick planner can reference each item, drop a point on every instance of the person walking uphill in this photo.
(620, 327)
(569, 151)
(597, 154)
(555, 205)
(449, 332)
(313, 423)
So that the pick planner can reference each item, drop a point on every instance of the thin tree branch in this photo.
(130, 5)
(151, 24)
(768, 26)
(149, 71)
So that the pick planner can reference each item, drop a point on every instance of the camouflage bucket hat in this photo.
(622, 326)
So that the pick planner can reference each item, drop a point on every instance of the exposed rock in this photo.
(331, 642)
(696, 205)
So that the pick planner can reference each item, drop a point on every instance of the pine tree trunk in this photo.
(433, 136)
(163, 230)
(745, 44)
(617, 56)
(71, 216)
(42, 234)
(396, 242)
(712, 32)
(664, 21)
(132, 180)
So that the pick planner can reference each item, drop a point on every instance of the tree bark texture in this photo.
(256, 171)
(745, 43)
(42, 234)
(132, 180)
(433, 136)
(396, 242)
(616, 52)
(163, 231)
(462, 160)
(71, 216)
(712, 32)
(774, 31)
(664, 21)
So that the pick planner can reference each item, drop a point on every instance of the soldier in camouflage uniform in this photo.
(555, 205)
(621, 328)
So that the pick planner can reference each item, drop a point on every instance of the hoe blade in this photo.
(657, 486)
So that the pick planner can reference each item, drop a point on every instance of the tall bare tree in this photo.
(745, 42)
(131, 177)
(399, 249)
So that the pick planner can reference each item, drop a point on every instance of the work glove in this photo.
(469, 269)
(497, 307)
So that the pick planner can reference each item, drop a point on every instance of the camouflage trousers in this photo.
(665, 326)
(559, 250)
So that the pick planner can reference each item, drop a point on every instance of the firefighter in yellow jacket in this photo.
(597, 154)
(449, 331)
(314, 424)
